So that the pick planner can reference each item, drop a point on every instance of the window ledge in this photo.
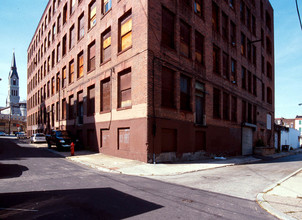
(104, 112)
(90, 71)
(107, 61)
(104, 14)
(123, 51)
(123, 108)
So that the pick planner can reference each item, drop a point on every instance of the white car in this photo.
(38, 138)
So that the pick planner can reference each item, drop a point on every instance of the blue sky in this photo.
(19, 19)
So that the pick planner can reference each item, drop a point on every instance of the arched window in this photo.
(14, 82)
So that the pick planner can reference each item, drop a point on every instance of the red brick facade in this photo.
(154, 79)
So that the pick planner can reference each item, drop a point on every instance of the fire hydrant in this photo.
(72, 149)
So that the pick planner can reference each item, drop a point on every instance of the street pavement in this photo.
(283, 199)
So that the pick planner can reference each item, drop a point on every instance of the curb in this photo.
(266, 206)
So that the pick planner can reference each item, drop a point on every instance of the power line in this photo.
(298, 14)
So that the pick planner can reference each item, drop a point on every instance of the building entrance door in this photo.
(247, 141)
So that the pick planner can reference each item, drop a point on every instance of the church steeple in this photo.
(13, 70)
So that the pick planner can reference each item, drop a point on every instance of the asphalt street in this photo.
(37, 184)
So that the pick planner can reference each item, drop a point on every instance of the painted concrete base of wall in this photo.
(174, 157)
(264, 151)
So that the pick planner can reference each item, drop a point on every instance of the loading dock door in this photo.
(247, 141)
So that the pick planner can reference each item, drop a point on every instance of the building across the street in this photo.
(155, 80)
(13, 116)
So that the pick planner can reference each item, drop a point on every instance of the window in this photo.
(91, 56)
(254, 55)
(249, 80)
(124, 139)
(72, 6)
(234, 109)
(243, 77)
(106, 6)
(71, 37)
(81, 26)
(262, 38)
(198, 7)
(58, 82)
(243, 111)
(233, 71)
(226, 106)
(262, 64)
(65, 14)
(215, 17)
(242, 12)
(71, 71)
(225, 64)
(249, 113)
(125, 26)
(216, 103)
(243, 45)
(49, 39)
(105, 95)
(91, 101)
(249, 50)
(216, 59)
(92, 14)
(57, 111)
(268, 46)
(254, 114)
(64, 108)
(124, 88)
(268, 20)
(64, 47)
(53, 55)
(106, 45)
(185, 38)
(53, 31)
(80, 64)
(254, 85)
(48, 64)
(185, 93)
(59, 23)
(167, 38)
(167, 88)
(71, 107)
(199, 103)
(248, 18)
(253, 25)
(225, 26)
(269, 70)
(263, 92)
(64, 77)
(53, 85)
(199, 48)
(58, 52)
(233, 33)
(80, 107)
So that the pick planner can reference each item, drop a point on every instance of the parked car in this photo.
(62, 139)
(2, 133)
(21, 135)
(38, 138)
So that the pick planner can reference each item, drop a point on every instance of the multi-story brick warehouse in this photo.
(159, 79)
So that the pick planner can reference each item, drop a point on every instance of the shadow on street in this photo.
(99, 203)
(11, 170)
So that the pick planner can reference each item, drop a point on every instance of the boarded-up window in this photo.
(185, 93)
(185, 38)
(105, 94)
(234, 109)
(124, 139)
(81, 25)
(106, 6)
(64, 109)
(91, 56)
(64, 77)
(168, 140)
(106, 45)
(125, 24)
(199, 103)
(167, 28)
(215, 17)
(199, 48)
(124, 91)
(92, 14)
(226, 106)
(168, 85)
(71, 71)
(216, 103)
(71, 37)
(91, 100)
(71, 107)
(80, 64)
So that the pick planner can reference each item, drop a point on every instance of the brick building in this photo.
(155, 79)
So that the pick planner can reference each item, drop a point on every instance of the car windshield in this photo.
(40, 135)
(62, 133)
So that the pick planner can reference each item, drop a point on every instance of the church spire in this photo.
(13, 70)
